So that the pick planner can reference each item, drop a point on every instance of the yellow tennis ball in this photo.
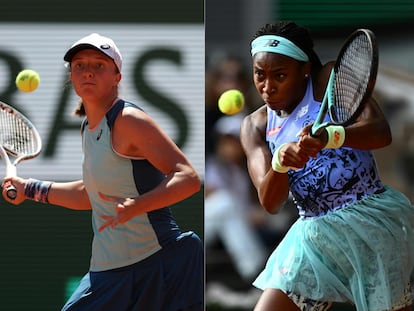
(231, 102)
(27, 80)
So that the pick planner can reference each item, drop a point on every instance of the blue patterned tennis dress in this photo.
(354, 239)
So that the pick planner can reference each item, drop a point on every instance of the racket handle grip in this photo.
(11, 192)
(316, 132)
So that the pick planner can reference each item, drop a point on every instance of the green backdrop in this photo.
(329, 16)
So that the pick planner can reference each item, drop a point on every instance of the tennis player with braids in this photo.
(132, 173)
(354, 239)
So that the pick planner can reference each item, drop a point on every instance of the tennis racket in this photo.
(19, 141)
(351, 81)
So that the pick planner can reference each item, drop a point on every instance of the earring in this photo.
(306, 75)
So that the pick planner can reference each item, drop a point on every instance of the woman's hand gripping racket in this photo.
(351, 81)
(19, 141)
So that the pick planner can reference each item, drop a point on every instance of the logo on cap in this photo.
(105, 47)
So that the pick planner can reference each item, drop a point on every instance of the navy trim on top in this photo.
(149, 176)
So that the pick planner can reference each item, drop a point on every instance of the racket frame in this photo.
(328, 102)
(5, 153)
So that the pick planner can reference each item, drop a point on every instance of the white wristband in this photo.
(336, 136)
(276, 165)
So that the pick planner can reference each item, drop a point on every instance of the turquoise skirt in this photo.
(363, 254)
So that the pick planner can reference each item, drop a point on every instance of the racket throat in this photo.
(11, 170)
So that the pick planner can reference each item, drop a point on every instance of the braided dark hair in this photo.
(295, 33)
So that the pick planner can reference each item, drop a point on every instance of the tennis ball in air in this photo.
(27, 80)
(231, 102)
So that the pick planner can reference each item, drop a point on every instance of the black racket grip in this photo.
(11, 192)
(316, 133)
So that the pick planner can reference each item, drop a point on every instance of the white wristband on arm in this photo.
(336, 136)
(276, 165)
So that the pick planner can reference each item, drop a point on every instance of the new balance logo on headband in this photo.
(273, 43)
(279, 45)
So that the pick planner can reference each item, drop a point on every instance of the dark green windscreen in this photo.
(327, 13)
(120, 11)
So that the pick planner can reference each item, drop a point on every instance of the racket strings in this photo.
(352, 78)
(16, 136)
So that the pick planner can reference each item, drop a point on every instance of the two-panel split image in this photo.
(207, 155)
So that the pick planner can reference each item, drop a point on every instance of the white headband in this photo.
(279, 45)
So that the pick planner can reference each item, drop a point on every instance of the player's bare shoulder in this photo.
(132, 119)
(128, 129)
(253, 128)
